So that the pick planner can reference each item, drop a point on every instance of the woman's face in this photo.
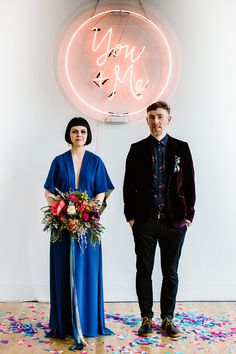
(78, 135)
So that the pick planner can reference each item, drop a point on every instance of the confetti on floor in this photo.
(202, 332)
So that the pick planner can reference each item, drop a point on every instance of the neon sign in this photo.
(117, 61)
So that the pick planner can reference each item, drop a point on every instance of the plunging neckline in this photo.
(81, 169)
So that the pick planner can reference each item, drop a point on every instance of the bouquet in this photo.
(76, 213)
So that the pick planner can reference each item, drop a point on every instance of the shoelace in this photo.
(168, 322)
(146, 321)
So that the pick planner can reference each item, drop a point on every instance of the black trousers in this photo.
(170, 240)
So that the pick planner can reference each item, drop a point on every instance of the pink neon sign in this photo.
(116, 61)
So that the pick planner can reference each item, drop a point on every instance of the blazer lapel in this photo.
(148, 158)
(170, 158)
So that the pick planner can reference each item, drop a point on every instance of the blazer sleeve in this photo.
(189, 185)
(129, 185)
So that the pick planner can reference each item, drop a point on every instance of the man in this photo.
(159, 198)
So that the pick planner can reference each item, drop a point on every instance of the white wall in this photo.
(34, 113)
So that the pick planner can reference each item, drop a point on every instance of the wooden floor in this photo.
(22, 330)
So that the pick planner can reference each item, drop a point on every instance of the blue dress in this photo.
(76, 284)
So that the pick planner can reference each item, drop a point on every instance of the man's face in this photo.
(158, 121)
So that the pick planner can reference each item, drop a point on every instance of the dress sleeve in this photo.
(103, 182)
(51, 178)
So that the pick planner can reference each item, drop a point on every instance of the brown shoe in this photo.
(146, 327)
(170, 329)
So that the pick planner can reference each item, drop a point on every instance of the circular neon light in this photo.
(123, 75)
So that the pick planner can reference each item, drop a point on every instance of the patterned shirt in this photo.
(159, 149)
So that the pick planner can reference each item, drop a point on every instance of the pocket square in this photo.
(177, 162)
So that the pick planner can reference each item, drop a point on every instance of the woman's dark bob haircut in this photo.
(78, 121)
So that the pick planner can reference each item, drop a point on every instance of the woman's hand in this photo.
(131, 222)
(100, 197)
(50, 196)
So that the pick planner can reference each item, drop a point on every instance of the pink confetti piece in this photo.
(21, 341)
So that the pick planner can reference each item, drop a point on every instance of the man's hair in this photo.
(158, 104)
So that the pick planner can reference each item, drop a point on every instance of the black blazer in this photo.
(180, 186)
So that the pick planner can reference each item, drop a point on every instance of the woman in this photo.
(76, 286)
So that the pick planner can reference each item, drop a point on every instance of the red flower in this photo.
(96, 216)
(81, 207)
(85, 216)
(62, 217)
(57, 207)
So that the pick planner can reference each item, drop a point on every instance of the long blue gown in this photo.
(76, 284)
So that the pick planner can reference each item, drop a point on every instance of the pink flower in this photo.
(73, 198)
(85, 216)
(57, 207)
